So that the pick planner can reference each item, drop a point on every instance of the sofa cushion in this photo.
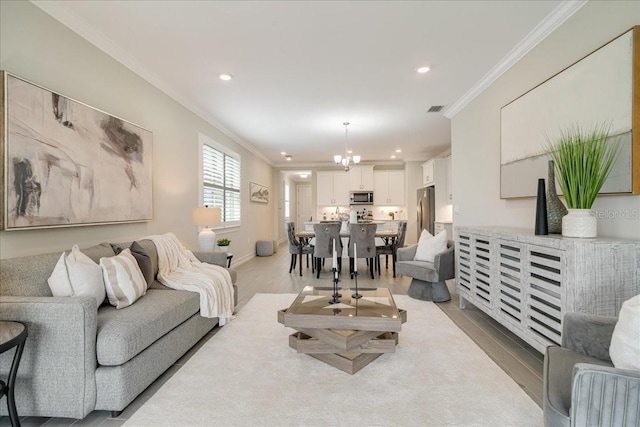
(123, 279)
(559, 377)
(142, 257)
(77, 275)
(98, 251)
(122, 334)
(421, 270)
(27, 276)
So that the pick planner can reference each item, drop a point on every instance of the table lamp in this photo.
(206, 217)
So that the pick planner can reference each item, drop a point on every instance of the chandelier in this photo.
(347, 162)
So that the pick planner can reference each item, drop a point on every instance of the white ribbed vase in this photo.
(579, 223)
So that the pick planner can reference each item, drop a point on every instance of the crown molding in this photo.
(70, 20)
(541, 31)
(329, 165)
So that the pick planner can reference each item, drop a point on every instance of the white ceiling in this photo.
(300, 68)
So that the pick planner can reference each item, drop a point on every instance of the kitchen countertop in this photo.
(365, 221)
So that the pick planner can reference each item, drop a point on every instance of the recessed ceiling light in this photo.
(284, 153)
(303, 175)
(288, 157)
(393, 157)
(423, 70)
(398, 150)
(225, 77)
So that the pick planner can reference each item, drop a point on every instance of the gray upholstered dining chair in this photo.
(428, 277)
(297, 248)
(581, 387)
(364, 237)
(391, 249)
(327, 234)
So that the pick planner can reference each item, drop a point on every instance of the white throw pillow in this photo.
(429, 246)
(77, 275)
(625, 341)
(123, 279)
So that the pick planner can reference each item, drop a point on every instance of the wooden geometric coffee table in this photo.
(348, 335)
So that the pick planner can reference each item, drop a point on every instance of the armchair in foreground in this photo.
(581, 385)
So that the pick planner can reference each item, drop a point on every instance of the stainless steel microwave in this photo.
(361, 198)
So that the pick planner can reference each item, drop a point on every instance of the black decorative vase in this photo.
(541, 228)
(555, 208)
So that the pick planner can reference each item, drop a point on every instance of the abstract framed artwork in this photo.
(258, 193)
(601, 88)
(69, 164)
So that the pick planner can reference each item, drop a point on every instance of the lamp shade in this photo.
(206, 216)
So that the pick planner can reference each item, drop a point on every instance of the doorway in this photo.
(304, 206)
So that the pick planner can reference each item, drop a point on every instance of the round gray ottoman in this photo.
(264, 247)
(428, 291)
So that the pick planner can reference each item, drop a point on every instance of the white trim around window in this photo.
(220, 180)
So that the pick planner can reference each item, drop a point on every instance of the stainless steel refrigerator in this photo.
(426, 209)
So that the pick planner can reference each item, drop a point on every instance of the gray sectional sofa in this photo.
(79, 357)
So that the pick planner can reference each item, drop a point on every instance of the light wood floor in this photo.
(271, 275)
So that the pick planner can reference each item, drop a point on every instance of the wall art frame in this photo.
(258, 193)
(67, 164)
(602, 87)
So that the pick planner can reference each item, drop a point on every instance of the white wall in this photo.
(476, 129)
(413, 176)
(36, 47)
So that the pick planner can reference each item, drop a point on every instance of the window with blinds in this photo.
(221, 183)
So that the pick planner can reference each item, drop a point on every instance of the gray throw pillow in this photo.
(141, 256)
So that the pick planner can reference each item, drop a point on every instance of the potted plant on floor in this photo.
(223, 244)
(583, 159)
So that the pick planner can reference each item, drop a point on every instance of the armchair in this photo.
(428, 277)
(581, 386)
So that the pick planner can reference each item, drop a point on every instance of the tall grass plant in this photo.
(583, 159)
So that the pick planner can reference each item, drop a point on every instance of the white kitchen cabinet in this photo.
(388, 188)
(428, 173)
(396, 188)
(332, 188)
(361, 178)
(435, 172)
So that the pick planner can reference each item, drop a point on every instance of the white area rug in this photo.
(247, 375)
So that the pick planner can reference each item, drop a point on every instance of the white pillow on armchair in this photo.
(429, 246)
(625, 341)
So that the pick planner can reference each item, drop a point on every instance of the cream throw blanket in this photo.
(179, 269)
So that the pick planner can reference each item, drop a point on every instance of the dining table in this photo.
(388, 236)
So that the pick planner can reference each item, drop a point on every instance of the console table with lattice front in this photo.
(528, 282)
(348, 335)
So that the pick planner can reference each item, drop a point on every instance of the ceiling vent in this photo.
(435, 109)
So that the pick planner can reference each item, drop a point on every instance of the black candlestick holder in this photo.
(356, 295)
(335, 298)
